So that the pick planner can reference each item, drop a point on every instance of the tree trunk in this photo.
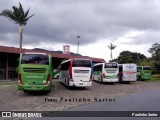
(20, 45)
(111, 55)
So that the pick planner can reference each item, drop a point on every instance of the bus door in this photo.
(120, 73)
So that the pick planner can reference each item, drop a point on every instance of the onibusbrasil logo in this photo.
(130, 66)
(21, 114)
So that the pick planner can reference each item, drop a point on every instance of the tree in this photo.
(155, 52)
(18, 16)
(129, 57)
(111, 47)
(147, 62)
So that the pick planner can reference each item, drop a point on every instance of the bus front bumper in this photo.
(146, 77)
(34, 87)
(80, 84)
(110, 80)
(129, 80)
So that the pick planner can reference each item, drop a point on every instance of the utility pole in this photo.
(78, 44)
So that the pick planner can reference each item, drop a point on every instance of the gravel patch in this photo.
(62, 98)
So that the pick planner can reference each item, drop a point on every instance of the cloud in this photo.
(60, 21)
(148, 37)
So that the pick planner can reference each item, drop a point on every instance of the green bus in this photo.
(144, 72)
(55, 73)
(35, 72)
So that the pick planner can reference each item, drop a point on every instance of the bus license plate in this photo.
(33, 87)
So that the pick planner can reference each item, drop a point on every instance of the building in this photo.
(9, 60)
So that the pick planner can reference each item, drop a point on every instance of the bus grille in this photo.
(110, 71)
(147, 71)
(81, 71)
(35, 70)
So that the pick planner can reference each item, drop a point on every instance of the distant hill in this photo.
(58, 51)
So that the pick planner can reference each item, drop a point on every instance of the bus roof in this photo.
(35, 53)
(75, 59)
(98, 64)
(139, 66)
(146, 66)
(80, 59)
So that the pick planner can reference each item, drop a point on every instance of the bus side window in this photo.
(138, 70)
(65, 66)
(98, 68)
(120, 68)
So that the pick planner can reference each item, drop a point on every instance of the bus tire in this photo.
(65, 83)
(57, 76)
(99, 80)
(68, 82)
(49, 91)
(24, 91)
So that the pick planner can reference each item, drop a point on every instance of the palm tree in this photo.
(18, 16)
(112, 47)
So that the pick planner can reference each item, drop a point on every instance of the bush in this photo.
(155, 71)
(155, 77)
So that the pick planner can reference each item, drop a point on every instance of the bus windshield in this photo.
(35, 59)
(139, 69)
(111, 65)
(146, 68)
(81, 63)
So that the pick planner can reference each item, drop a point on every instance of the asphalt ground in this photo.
(62, 98)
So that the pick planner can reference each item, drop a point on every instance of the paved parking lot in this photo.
(61, 98)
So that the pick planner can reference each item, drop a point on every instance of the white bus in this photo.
(127, 72)
(105, 72)
(76, 72)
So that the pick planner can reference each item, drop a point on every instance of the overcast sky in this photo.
(132, 25)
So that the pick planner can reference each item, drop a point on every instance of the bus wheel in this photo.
(66, 83)
(49, 91)
(24, 91)
(99, 79)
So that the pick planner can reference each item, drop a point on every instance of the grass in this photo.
(8, 83)
(155, 77)
(54, 82)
